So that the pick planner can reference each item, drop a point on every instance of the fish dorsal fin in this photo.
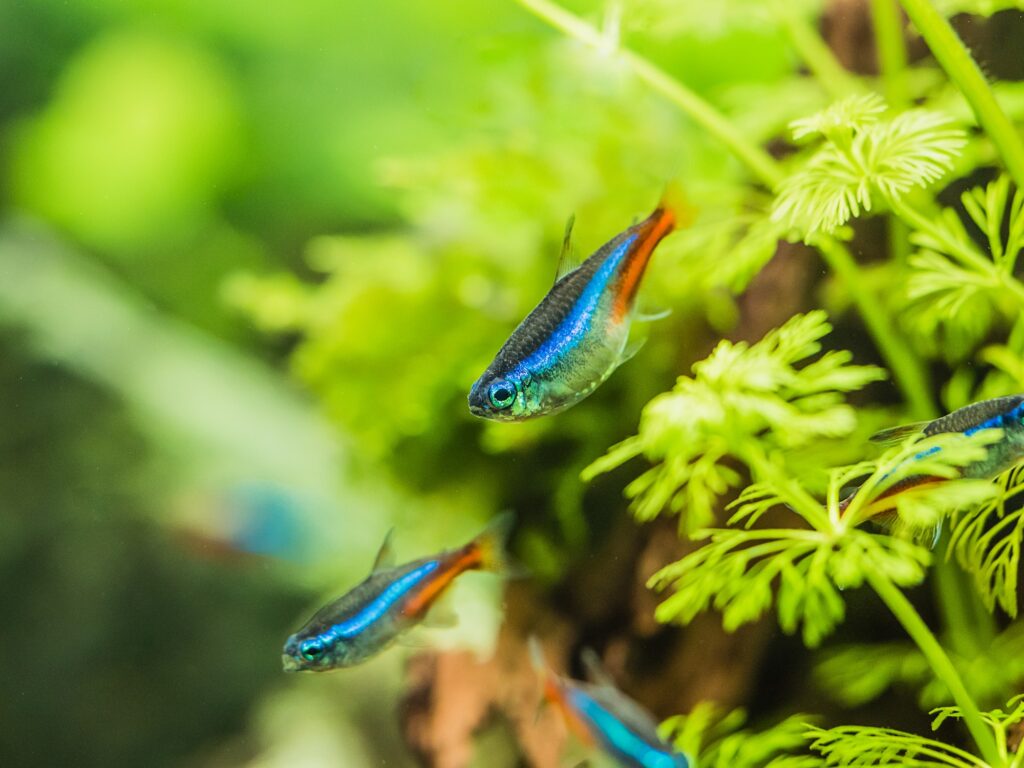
(386, 554)
(895, 435)
(567, 258)
(596, 673)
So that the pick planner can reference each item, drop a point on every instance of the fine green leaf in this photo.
(986, 540)
(957, 288)
(717, 737)
(862, 162)
(738, 572)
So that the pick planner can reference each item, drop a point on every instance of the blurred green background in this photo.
(251, 258)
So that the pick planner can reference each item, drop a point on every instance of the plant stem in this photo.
(968, 628)
(892, 63)
(826, 68)
(892, 50)
(943, 668)
(954, 57)
(906, 367)
(805, 505)
(760, 163)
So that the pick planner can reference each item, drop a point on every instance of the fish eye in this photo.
(312, 649)
(502, 394)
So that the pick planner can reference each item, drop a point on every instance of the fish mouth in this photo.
(290, 663)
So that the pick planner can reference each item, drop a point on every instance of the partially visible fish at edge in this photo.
(1005, 413)
(602, 716)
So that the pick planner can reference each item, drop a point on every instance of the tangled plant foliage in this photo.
(745, 401)
(957, 286)
(863, 160)
(857, 746)
(857, 674)
(986, 540)
(743, 570)
(718, 739)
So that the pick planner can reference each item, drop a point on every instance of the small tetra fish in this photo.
(391, 600)
(573, 340)
(1005, 413)
(602, 716)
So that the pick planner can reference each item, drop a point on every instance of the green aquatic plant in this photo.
(955, 287)
(745, 402)
(760, 452)
(718, 738)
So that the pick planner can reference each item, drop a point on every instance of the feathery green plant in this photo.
(766, 423)
(745, 402)
(857, 746)
(741, 569)
(986, 540)
(864, 159)
(717, 739)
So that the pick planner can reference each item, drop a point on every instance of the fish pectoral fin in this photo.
(895, 435)
(567, 261)
(386, 553)
(650, 317)
(413, 640)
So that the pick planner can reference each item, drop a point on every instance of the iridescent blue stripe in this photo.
(379, 606)
(618, 736)
(575, 326)
(996, 422)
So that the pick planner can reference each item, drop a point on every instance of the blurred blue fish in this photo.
(602, 716)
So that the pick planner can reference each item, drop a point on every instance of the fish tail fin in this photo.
(490, 545)
(675, 205)
(544, 673)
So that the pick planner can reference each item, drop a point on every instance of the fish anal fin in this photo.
(440, 616)
(386, 554)
(630, 351)
(896, 435)
(567, 261)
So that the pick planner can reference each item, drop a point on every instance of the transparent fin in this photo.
(491, 543)
(895, 435)
(596, 673)
(567, 261)
(650, 317)
(440, 616)
(631, 349)
(414, 640)
(386, 554)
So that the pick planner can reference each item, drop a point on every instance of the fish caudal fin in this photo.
(489, 546)
(676, 206)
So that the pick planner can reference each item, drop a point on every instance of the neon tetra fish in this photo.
(602, 716)
(391, 600)
(1005, 413)
(573, 340)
